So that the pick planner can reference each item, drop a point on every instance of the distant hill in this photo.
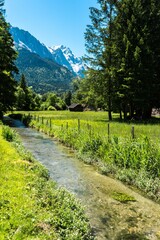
(43, 74)
(46, 68)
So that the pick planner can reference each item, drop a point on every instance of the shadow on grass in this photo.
(151, 121)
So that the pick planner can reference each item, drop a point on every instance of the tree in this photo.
(7, 66)
(27, 99)
(68, 98)
(100, 46)
(24, 98)
(123, 43)
(138, 55)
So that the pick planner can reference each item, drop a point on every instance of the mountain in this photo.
(60, 54)
(65, 57)
(24, 40)
(44, 75)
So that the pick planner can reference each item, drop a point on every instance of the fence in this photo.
(81, 127)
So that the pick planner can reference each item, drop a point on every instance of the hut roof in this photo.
(73, 105)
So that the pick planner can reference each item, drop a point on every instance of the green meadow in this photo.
(129, 151)
(31, 205)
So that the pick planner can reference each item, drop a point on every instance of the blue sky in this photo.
(52, 22)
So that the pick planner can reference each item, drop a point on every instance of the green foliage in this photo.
(7, 67)
(122, 197)
(121, 39)
(43, 75)
(31, 205)
(51, 101)
(135, 154)
(134, 161)
(99, 38)
(26, 98)
(84, 93)
(68, 98)
(8, 133)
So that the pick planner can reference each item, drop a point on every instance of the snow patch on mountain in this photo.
(64, 56)
(60, 54)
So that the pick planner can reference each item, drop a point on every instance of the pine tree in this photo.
(99, 45)
(24, 99)
(138, 51)
(7, 66)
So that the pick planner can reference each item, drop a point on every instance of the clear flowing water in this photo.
(109, 218)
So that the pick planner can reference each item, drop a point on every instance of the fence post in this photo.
(42, 120)
(79, 125)
(67, 126)
(108, 132)
(50, 123)
(132, 132)
(90, 131)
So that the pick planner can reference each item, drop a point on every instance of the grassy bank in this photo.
(109, 145)
(31, 206)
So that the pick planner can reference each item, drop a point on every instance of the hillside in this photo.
(43, 74)
(46, 68)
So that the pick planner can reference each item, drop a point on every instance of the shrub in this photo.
(8, 134)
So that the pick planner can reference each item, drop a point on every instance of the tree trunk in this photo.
(120, 114)
(109, 109)
(147, 113)
(125, 112)
(131, 112)
(1, 115)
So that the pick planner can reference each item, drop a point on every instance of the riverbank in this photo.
(115, 211)
(31, 205)
(133, 159)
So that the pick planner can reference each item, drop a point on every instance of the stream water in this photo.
(110, 219)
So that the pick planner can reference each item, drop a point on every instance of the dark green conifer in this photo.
(7, 66)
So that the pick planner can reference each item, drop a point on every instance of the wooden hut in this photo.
(76, 107)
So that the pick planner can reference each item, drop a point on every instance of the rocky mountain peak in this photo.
(60, 54)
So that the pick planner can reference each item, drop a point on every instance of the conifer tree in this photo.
(7, 66)
(24, 98)
(138, 51)
(99, 45)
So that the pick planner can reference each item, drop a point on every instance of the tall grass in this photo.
(110, 147)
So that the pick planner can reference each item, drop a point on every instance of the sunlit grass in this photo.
(31, 206)
(99, 123)
(110, 145)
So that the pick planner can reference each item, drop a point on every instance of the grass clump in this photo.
(122, 197)
(8, 134)
(31, 205)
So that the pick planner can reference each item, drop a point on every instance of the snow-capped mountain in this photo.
(24, 40)
(60, 54)
(64, 56)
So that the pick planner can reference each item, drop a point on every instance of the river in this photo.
(109, 218)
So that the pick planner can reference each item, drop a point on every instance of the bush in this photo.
(51, 108)
(8, 134)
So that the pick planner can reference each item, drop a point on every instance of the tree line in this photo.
(28, 100)
(123, 53)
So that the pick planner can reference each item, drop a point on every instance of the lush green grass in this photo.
(31, 206)
(135, 160)
(99, 123)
